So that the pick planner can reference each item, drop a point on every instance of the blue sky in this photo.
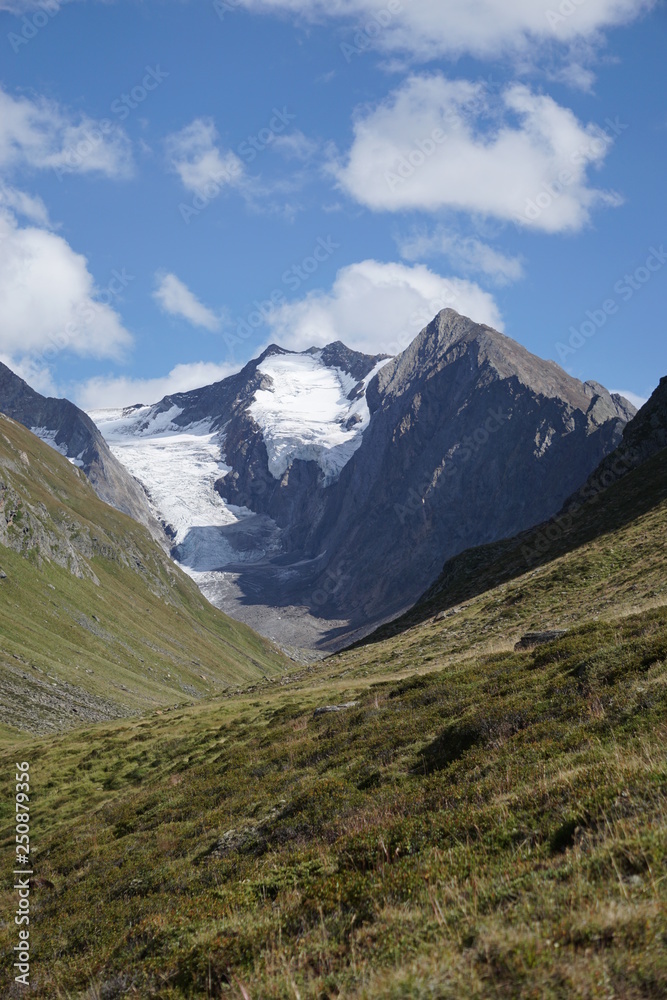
(182, 183)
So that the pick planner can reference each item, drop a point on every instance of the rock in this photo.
(447, 614)
(532, 639)
(326, 709)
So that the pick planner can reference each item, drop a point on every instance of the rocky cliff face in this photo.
(71, 432)
(347, 480)
(471, 439)
(643, 437)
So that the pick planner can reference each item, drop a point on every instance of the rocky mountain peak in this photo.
(358, 365)
(489, 356)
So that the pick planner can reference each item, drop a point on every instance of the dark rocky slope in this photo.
(470, 439)
(628, 486)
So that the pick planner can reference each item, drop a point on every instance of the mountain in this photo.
(317, 494)
(605, 550)
(70, 431)
(96, 621)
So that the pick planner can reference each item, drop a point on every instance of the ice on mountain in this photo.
(177, 465)
(307, 413)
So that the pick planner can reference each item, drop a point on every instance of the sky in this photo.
(183, 182)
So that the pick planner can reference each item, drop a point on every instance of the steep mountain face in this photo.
(325, 489)
(70, 431)
(471, 439)
(96, 621)
(644, 437)
(604, 550)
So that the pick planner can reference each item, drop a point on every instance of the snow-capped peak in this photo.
(311, 411)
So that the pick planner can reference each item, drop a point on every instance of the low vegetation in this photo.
(465, 820)
(498, 828)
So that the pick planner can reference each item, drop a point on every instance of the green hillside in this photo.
(473, 822)
(95, 620)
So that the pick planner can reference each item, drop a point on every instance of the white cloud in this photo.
(176, 299)
(41, 135)
(378, 308)
(431, 28)
(637, 401)
(112, 391)
(49, 299)
(437, 144)
(29, 206)
(467, 253)
(194, 155)
(31, 371)
(297, 146)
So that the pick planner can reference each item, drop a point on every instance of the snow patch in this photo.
(307, 414)
(178, 466)
(49, 437)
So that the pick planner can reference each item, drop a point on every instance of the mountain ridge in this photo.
(72, 432)
(337, 505)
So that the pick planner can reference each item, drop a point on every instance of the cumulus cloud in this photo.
(467, 253)
(49, 299)
(194, 154)
(106, 391)
(431, 28)
(378, 308)
(449, 144)
(175, 298)
(41, 135)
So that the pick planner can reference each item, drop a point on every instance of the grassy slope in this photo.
(142, 637)
(481, 824)
(497, 829)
